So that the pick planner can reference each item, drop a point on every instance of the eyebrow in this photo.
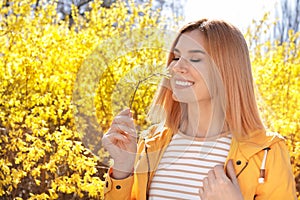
(191, 51)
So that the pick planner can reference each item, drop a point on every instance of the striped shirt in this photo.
(185, 164)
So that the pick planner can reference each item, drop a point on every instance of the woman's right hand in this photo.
(121, 143)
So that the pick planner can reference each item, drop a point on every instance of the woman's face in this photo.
(189, 69)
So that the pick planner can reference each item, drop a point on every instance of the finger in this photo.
(115, 143)
(211, 177)
(220, 173)
(123, 129)
(201, 193)
(121, 145)
(231, 173)
(126, 112)
(112, 138)
(109, 145)
(124, 120)
(205, 184)
(130, 134)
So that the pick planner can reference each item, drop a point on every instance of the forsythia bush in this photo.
(51, 70)
(276, 69)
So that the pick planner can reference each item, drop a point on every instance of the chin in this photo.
(181, 99)
(190, 99)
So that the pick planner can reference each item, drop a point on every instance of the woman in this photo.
(211, 120)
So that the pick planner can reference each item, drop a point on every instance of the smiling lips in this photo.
(183, 83)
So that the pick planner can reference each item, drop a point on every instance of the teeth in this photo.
(183, 83)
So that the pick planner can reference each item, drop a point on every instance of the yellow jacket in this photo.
(247, 156)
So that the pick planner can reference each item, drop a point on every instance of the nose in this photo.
(180, 66)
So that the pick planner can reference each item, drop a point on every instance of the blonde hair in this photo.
(228, 49)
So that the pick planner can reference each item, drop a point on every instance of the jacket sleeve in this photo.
(117, 189)
(121, 189)
(124, 189)
(279, 179)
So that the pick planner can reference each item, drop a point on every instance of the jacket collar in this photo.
(163, 133)
(249, 146)
(260, 140)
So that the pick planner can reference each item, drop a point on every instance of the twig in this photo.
(138, 85)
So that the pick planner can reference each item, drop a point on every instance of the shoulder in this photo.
(280, 182)
(262, 139)
(258, 142)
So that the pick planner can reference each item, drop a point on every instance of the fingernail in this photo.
(128, 110)
(200, 191)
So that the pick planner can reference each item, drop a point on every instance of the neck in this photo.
(201, 121)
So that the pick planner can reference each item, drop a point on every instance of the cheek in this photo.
(202, 92)
(204, 83)
(171, 69)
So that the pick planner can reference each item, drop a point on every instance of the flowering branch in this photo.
(144, 80)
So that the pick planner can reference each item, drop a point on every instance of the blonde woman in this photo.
(213, 144)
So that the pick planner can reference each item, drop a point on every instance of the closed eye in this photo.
(176, 57)
(195, 60)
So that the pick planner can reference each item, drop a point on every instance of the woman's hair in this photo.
(228, 49)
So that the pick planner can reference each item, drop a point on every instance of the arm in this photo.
(120, 142)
